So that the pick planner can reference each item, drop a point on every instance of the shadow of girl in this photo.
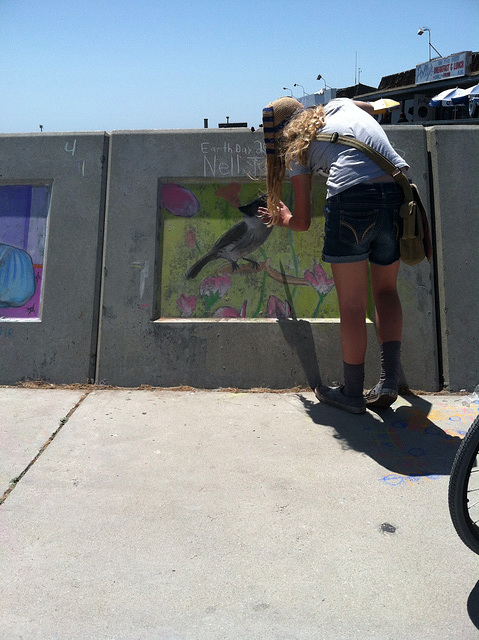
(402, 440)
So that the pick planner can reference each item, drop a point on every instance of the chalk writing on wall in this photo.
(233, 160)
(23, 226)
(70, 148)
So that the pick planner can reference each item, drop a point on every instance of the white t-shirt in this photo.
(345, 166)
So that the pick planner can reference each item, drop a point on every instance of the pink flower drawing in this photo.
(214, 288)
(230, 312)
(320, 283)
(187, 305)
(319, 279)
(278, 309)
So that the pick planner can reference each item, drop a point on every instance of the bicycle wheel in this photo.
(464, 489)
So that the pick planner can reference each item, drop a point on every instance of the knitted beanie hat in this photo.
(275, 116)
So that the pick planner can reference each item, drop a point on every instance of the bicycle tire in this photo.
(463, 485)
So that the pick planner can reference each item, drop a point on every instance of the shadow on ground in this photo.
(402, 440)
(473, 605)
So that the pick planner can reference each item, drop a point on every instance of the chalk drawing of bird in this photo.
(239, 241)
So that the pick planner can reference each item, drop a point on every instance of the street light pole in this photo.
(300, 85)
(288, 89)
(320, 77)
(421, 30)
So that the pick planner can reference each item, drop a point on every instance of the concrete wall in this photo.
(126, 341)
(59, 345)
(135, 348)
(420, 357)
(454, 152)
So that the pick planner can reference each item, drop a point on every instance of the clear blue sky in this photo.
(94, 65)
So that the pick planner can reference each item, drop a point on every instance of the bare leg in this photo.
(352, 289)
(386, 301)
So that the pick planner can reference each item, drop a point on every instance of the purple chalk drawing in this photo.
(178, 200)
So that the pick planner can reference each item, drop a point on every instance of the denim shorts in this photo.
(363, 223)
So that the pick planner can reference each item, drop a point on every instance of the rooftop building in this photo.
(414, 88)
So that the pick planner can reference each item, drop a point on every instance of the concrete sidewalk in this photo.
(212, 515)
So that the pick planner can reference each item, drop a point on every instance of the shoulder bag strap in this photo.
(385, 164)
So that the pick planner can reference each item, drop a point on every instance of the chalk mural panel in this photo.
(23, 226)
(217, 259)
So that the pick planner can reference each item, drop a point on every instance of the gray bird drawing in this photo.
(239, 241)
